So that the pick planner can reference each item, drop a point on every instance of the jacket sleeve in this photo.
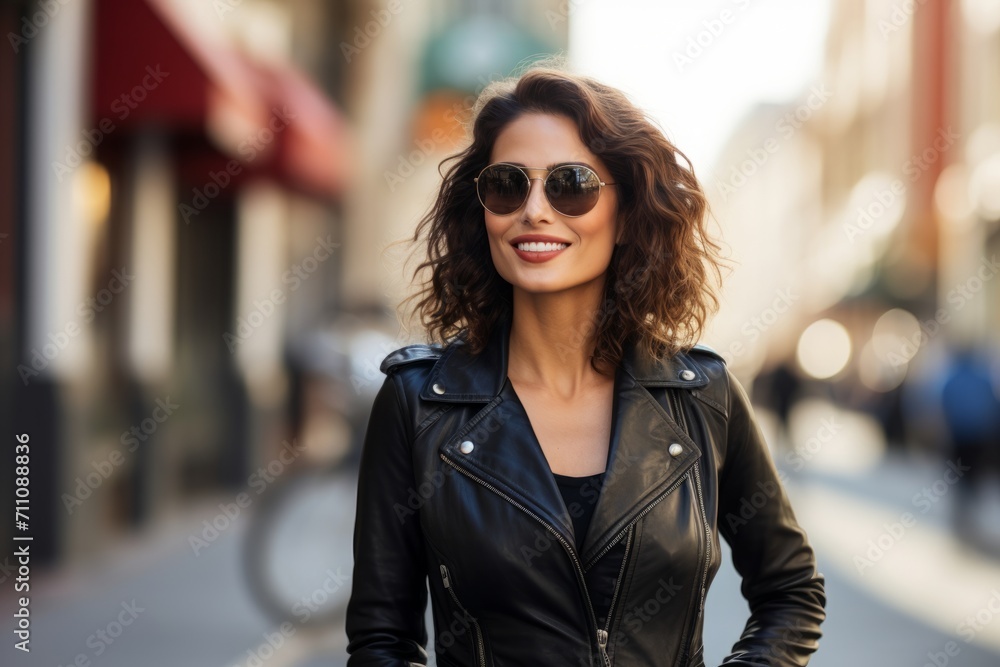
(785, 592)
(386, 610)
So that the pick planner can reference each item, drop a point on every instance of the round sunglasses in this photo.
(572, 189)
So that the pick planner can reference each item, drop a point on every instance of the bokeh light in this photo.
(824, 348)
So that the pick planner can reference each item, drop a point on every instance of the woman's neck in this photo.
(552, 338)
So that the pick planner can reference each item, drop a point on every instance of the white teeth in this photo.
(540, 247)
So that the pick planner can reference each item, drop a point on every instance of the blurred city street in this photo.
(207, 213)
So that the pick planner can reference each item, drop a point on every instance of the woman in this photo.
(558, 468)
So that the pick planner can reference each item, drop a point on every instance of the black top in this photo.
(580, 495)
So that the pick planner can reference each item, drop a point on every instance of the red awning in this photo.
(154, 65)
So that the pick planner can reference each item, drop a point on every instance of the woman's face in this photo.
(540, 140)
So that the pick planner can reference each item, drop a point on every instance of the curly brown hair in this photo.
(656, 292)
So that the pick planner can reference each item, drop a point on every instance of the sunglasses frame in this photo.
(548, 173)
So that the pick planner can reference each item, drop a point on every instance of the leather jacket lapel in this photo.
(506, 457)
(641, 468)
(459, 377)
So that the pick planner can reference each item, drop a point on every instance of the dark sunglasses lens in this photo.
(503, 189)
(573, 190)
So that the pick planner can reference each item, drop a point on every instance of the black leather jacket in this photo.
(454, 486)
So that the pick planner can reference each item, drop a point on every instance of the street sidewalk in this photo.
(887, 530)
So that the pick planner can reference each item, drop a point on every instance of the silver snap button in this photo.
(438, 389)
(675, 449)
(687, 374)
(466, 447)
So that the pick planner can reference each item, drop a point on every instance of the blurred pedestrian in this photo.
(971, 410)
(779, 389)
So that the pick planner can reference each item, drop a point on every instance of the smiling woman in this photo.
(561, 462)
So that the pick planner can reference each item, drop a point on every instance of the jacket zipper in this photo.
(446, 578)
(704, 566)
(602, 634)
(708, 535)
(678, 411)
(614, 596)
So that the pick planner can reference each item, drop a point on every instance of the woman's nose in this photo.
(535, 207)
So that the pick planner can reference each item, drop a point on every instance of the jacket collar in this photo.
(510, 460)
(458, 376)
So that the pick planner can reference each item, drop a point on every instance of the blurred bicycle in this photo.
(297, 551)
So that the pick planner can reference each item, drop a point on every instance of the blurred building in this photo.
(967, 195)
(764, 190)
(188, 188)
(876, 202)
(173, 176)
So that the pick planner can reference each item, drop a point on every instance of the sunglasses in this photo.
(572, 189)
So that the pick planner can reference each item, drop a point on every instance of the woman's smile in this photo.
(538, 248)
(535, 252)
